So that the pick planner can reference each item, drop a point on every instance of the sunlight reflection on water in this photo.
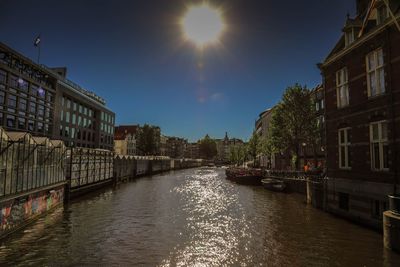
(193, 218)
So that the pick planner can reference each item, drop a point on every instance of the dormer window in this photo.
(382, 14)
(349, 36)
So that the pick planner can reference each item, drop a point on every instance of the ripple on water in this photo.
(193, 218)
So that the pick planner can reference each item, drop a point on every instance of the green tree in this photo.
(148, 140)
(265, 148)
(237, 154)
(294, 122)
(253, 147)
(207, 148)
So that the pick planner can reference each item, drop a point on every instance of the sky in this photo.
(133, 54)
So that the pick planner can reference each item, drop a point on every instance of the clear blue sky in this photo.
(131, 53)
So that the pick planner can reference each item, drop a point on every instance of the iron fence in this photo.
(28, 162)
(87, 166)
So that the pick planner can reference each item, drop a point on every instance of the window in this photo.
(379, 146)
(40, 127)
(12, 101)
(2, 97)
(344, 148)
(1, 119)
(31, 125)
(342, 88)
(21, 123)
(349, 37)
(67, 117)
(40, 111)
(383, 14)
(10, 121)
(22, 104)
(375, 73)
(3, 76)
(32, 108)
(73, 118)
(50, 97)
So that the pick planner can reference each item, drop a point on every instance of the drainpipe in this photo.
(393, 124)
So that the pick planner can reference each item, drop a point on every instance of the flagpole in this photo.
(392, 15)
(38, 59)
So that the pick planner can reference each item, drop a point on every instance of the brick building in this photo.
(362, 99)
(125, 139)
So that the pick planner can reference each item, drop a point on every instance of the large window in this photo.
(342, 88)
(379, 146)
(382, 14)
(375, 73)
(2, 97)
(12, 101)
(344, 148)
(3, 76)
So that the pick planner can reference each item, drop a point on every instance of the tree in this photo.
(294, 122)
(237, 154)
(148, 140)
(253, 146)
(207, 147)
(265, 148)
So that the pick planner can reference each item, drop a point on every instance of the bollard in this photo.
(391, 231)
(309, 191)
(391, 224)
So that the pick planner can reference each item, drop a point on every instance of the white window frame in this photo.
(349, 37)
(344, 144)
(379, 18)
(381, 141)
(342, 84)
(376, 71)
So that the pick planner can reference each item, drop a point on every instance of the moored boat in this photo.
(273, 184)
(244, 176)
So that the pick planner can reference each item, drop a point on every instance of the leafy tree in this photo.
(265, 148)
(207, 148)
(294, 122)
(148, 140)
(253, 146)
(237, 154)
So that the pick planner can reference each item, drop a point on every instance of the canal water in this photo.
(193, 217)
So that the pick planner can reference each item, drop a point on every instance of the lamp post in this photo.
(304, 153)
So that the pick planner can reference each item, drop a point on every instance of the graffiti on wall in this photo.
(17, 211)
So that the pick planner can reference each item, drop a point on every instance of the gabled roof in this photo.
(370, 28)
(123, 130)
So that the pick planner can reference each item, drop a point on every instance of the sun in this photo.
(202, 25)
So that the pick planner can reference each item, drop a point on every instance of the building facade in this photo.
(175, 147)
(192, 151)
(362, 100)
(262, 129)
(125, 140)
(224, 148)
(43, 102)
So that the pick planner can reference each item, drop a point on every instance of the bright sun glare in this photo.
(202, 25)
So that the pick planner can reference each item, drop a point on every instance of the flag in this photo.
(371, 7)
(37, 41)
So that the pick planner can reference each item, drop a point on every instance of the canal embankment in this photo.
(38, 174)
